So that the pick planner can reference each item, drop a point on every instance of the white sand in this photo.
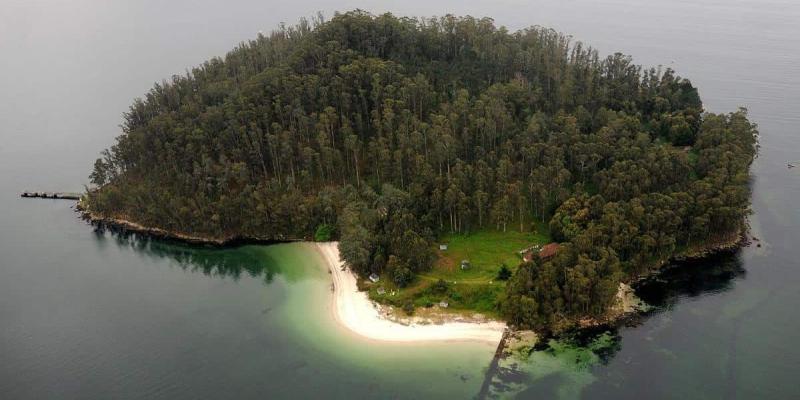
(353, 310)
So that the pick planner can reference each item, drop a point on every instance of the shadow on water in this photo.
(554, 367)
(562, 367)
(693, 278)
(228, 261)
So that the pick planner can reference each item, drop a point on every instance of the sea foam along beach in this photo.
(357, 313)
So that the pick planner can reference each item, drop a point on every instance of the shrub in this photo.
(324, 233)
(504, 274)
(402, 276)
(440, 287)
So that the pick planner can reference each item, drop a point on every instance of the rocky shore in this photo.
(627, 304)
(124, 224)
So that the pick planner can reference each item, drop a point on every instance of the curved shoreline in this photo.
(163, 234)
(354, 311)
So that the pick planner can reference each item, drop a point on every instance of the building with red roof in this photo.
(547, 252)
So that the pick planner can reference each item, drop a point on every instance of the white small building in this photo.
(444, 304)
(443, 247)
(374, 277)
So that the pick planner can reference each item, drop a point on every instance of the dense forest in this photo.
(388, 132)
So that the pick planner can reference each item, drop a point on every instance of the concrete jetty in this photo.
(52, 195)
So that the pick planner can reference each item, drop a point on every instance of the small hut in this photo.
(443, 247)
(444, 304)
(381, 291)
(465, 265)
(374, 277)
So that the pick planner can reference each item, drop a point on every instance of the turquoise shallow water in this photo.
(111, 316)
(84, 315)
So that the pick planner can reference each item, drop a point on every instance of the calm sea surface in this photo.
(87, 314)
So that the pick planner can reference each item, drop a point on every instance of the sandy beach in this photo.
(353, 310)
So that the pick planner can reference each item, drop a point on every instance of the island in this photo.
(464, 169)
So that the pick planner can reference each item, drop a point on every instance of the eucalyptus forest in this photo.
(386, 133)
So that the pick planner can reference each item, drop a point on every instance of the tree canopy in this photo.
(386, 132)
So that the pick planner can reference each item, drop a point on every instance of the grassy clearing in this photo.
(462, 298)
(475, 289)
(486, 251)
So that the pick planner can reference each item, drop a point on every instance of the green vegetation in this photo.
(504, 274)
(324, 233)
(486, 252)
(474, 289)
(403, 133)
(482, 297)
